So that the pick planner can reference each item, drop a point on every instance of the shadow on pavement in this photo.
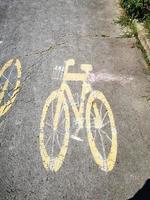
(143, 193)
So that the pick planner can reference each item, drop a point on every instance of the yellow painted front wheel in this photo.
(101, 131)
(54, 131)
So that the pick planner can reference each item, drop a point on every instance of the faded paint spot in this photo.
(107, 77)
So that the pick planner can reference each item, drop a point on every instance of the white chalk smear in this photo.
(107, 77)
(1, 42)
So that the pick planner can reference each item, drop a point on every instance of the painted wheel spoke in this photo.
(61, 133)
(106, 135)
(62, 121)
(108, 122)
(48, 124)
(53, 140)
(92, 114)
(7, 79)
(104, 152)
(48, 140)
(104, 116)
(58, 140)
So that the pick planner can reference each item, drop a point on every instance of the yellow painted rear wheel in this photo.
(106, 157)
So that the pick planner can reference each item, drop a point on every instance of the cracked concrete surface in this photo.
(43, 34)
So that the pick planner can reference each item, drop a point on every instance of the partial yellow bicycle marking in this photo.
(6, 106)
(111, 159)
(2, 93)
(55, 163)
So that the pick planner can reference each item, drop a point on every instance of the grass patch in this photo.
(147, 26)
(136, 10)
(147, 70)
(126, 21)
(139, 10)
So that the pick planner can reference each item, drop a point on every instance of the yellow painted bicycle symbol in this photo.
(99, 122)
(9, 84)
